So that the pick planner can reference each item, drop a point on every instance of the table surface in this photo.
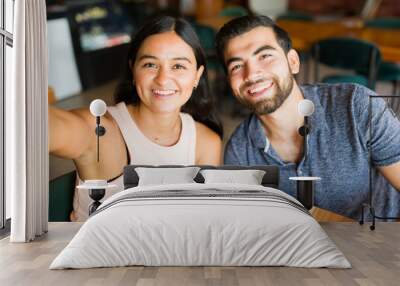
(305, 33)
(374, 255)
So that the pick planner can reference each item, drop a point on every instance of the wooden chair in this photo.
(359, 56)
(388, 71)
(51, 95)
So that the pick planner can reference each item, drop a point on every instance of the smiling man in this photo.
(260, 66)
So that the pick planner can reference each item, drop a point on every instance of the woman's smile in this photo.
(163, 93)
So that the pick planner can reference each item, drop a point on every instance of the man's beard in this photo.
(273, 102)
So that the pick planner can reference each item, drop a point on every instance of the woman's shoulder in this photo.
(203, 132)
(208, 145)
(206, 134)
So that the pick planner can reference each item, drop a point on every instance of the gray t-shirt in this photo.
(337, 150)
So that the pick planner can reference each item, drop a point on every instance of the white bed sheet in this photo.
(183, 231)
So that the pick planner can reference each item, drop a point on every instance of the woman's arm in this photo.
(70, 134)
(208, 146)
(392, 174)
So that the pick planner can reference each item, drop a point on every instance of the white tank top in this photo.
(142, 151)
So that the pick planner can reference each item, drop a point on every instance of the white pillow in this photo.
(163, 176)
(249, 177)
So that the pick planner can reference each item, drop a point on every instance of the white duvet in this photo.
(235, 228)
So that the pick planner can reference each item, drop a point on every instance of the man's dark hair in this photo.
(243, 25)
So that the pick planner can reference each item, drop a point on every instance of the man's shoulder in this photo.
(341, 95)
(335, 90)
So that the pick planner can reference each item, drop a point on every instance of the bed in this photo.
(201, 216)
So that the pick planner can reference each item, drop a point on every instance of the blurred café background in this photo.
(338, 41)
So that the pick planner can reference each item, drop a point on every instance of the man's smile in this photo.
(260, 89)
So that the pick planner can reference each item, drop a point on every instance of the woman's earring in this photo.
(194, 87)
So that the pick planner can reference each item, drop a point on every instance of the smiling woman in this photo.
(165, 73)
(164, 113)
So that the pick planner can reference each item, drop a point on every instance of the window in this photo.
(6, 43)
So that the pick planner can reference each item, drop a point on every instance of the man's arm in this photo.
(385, 135)
(392, 174)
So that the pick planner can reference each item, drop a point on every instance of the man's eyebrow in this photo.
(234, 59)
(263, 48)
(143, 57)
(259, 50)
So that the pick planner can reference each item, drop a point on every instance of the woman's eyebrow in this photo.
(143, 57)
(182, 59)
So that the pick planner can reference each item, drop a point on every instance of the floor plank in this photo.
(374, 255)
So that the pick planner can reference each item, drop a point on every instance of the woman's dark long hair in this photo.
(201, 104)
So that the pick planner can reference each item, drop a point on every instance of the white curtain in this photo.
(26, 123)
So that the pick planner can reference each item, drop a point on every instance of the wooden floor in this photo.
(374, 255)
